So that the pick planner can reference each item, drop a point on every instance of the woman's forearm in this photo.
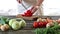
(39, 2)
(35, 7)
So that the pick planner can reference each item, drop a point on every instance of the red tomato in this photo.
(35, 24)
(40, 24)
(27, 14)
(44, 24)
(29, 11)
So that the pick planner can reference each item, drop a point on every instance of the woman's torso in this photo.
(28, 4)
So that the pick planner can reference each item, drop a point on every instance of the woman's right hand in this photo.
(19, 1)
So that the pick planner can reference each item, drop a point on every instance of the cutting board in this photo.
(34, 17)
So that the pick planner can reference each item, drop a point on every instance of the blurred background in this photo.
(11, 7)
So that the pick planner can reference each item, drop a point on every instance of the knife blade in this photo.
(24, 6)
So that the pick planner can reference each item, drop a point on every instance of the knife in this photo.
(24, 6)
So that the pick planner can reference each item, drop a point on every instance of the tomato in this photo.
(44, 24)
(28, 13)
(40, 24)
(35, 24)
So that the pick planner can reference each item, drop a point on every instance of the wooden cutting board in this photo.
(27, 18)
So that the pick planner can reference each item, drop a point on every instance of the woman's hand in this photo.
(19, 1)
(35, 7)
